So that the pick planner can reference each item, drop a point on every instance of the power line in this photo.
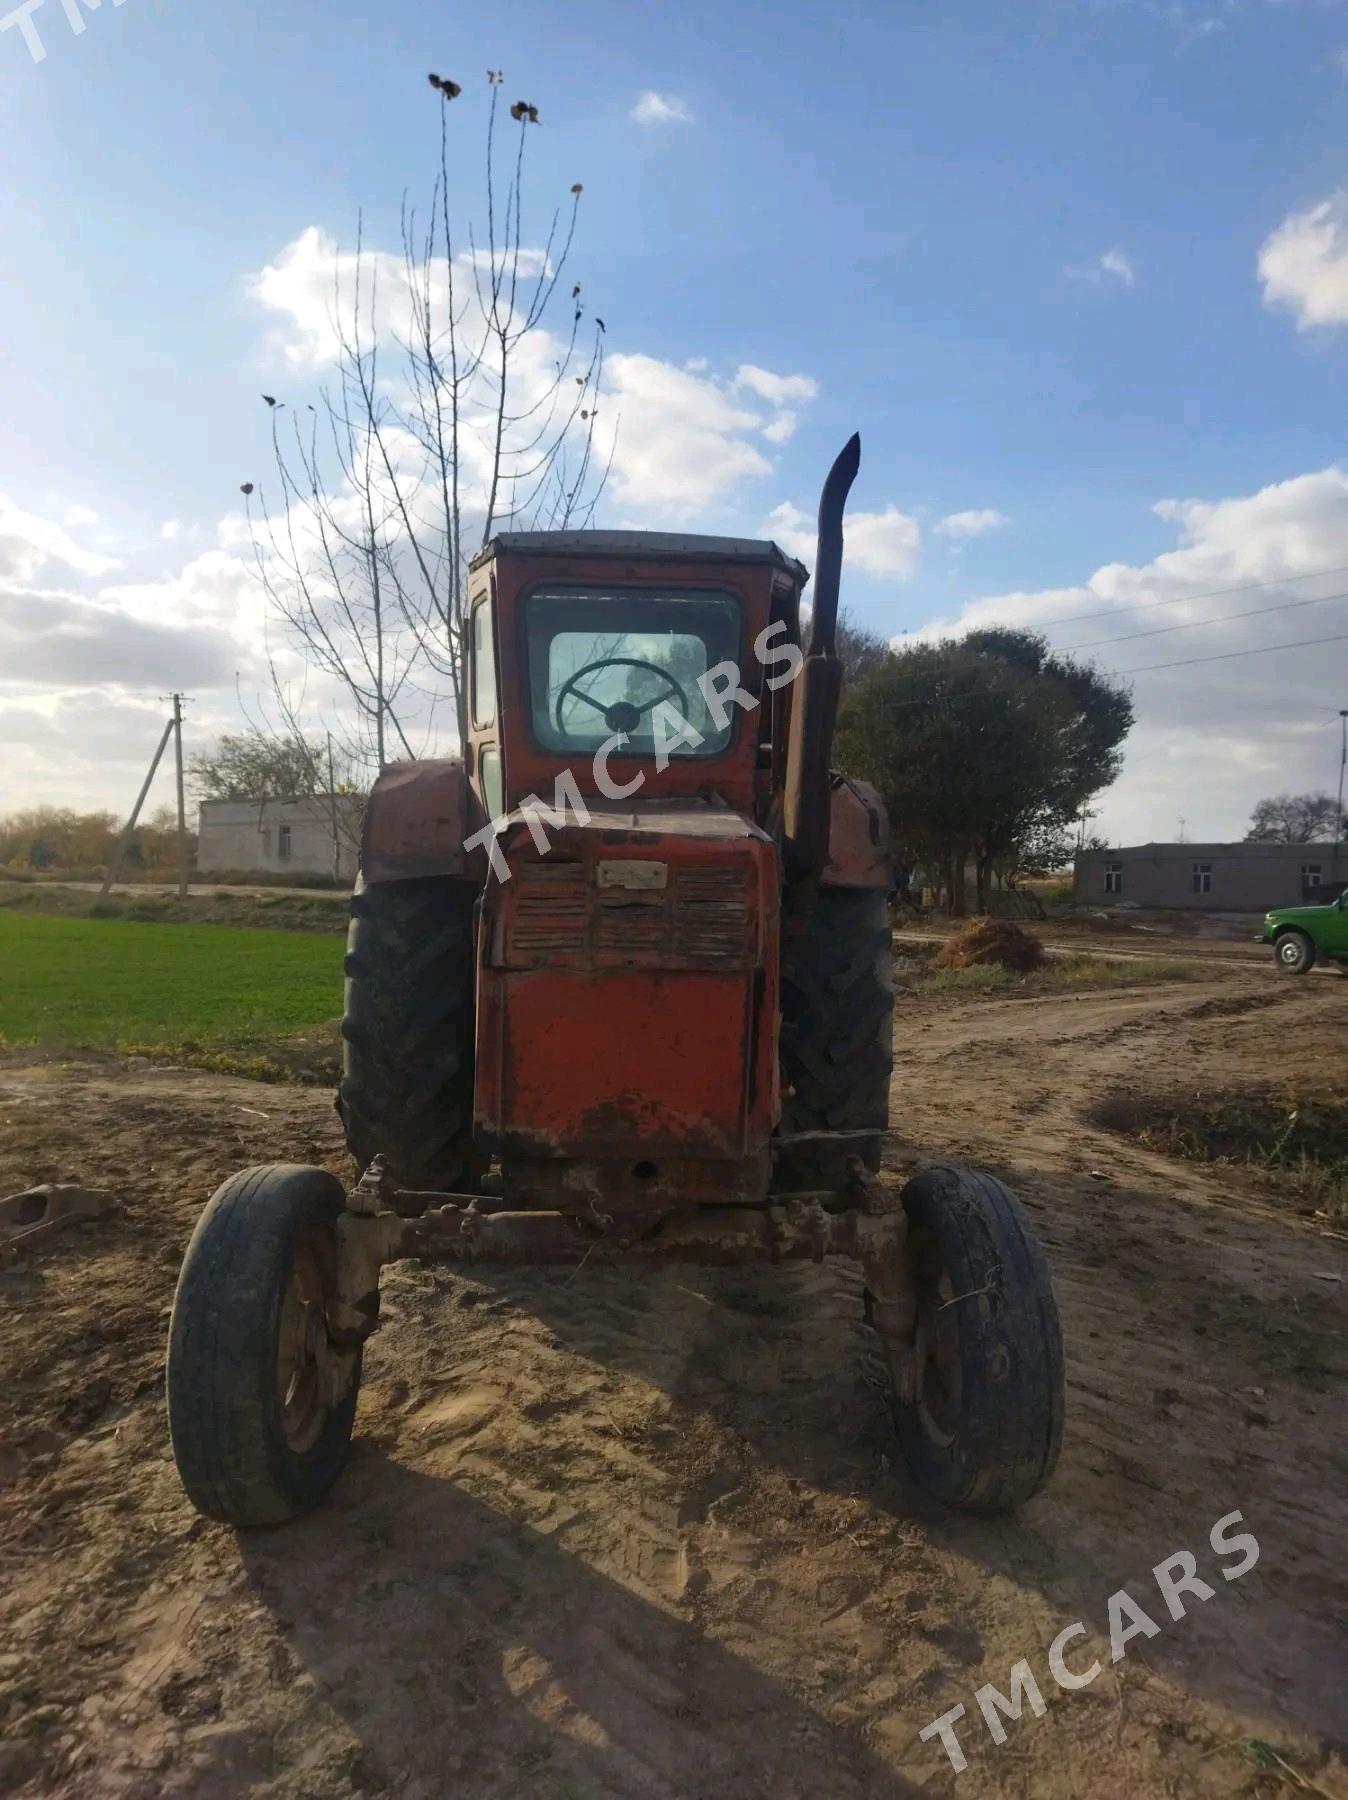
(1253, 612)
(1229, 655)
(1145, 669)
(1248, 587)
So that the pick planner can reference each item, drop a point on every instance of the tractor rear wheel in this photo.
(983, 1429)
(260, 1402)
(837, 1034)
(408, 1031)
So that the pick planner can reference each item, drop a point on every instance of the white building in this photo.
(320, 836)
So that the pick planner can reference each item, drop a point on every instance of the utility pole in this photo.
(1338, 815)
(182, 810)
(332, 809)
(115, 866)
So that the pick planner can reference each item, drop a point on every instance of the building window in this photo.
(1310, 874)
(283, 843)
(1114, 878)
(1202, 878)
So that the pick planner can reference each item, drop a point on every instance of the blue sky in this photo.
(1018, 246)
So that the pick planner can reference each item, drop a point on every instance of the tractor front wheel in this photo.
(984, 1425)
(260, 1402)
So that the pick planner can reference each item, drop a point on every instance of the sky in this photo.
(1077, 270)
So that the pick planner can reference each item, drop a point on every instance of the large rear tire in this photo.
(837, 1033)
(408, 1031)
(984, 1429)
(260, 1403)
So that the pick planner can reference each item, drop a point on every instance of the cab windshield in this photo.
(627, 662)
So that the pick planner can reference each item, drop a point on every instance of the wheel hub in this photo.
(936, 1346)
(303, 1354)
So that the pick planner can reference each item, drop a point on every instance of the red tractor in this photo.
(619, 987)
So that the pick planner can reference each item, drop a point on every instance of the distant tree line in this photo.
(57, 841)
(986, 750)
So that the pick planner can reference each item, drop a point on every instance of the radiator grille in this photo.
(551, 912)
(711, 914)
(701, 920)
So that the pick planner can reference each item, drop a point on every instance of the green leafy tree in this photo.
(985, 749)
(255, 765)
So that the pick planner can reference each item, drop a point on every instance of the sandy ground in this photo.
(639, 1536)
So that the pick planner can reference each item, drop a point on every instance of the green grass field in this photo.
(106, 984)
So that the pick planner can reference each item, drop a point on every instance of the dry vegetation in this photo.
(1296, 1142)
(998, 942)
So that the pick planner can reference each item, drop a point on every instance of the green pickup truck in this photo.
(1302, 934)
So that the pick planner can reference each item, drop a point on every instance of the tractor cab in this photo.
(630, 662)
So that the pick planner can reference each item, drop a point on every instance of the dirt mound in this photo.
(999, 941)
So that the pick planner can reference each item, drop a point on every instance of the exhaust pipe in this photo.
(814, 693)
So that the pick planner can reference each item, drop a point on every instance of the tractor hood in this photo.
(621, 822)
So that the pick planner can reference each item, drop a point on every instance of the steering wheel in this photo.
(622, 715)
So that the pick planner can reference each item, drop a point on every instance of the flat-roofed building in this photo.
(1213, 877)
(318, 836)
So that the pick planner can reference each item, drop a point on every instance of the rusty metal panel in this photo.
(858, 838)
(623, 1063)
(416, 821)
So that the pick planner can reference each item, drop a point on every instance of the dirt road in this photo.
(638, 1536)
(1212, 953)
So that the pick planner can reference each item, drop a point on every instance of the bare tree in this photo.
(1294, 819)
(455, 411)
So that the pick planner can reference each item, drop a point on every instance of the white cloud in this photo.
(686, 440)
(64, 624)
(169, 530)
(311, 285)
(50, 638)
(660, 109)
(974, 522)
(527, 264)
(777, 389)
(28, 543)
(1110, 265)
(880, 543)
(1212, 738)
(1303, 264)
